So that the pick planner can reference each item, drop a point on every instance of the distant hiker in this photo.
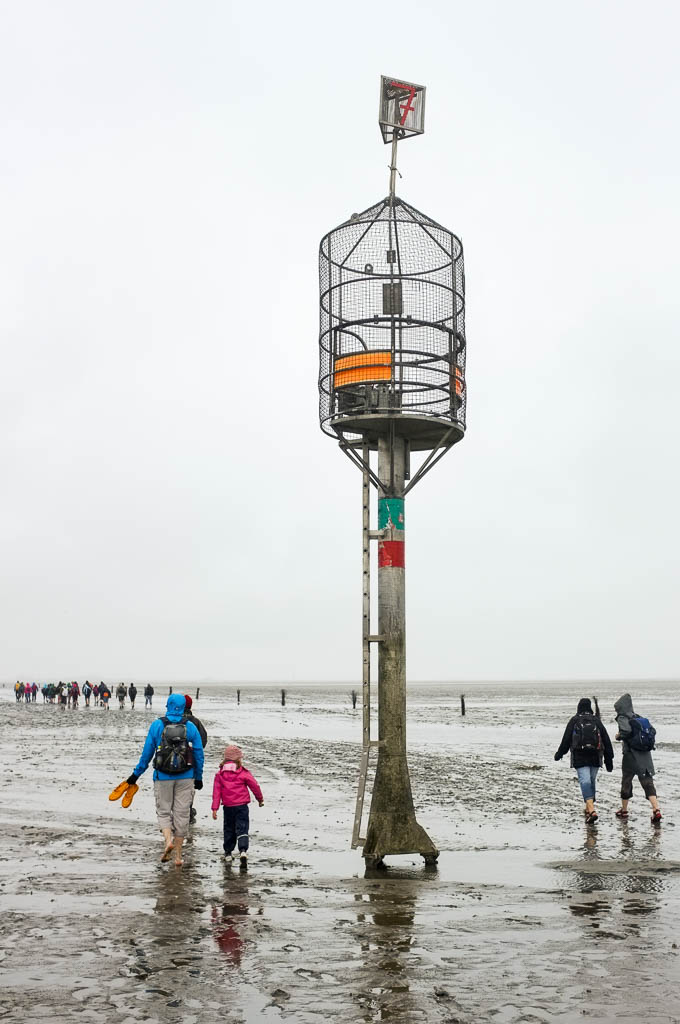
(148, 695)
(75, 694)
(637, 736)
(177, 752)
(18, 692)
(190, 717)
(121, 694)
(87, 693)
(230, 789)
(132, 693)
(104, 696)
(95, 694)
(27, 693)
(34, 692)
(587, 739)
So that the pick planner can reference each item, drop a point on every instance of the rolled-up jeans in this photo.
(587, 777)
(173, 804)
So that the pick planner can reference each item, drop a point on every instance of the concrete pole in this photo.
(392, 826)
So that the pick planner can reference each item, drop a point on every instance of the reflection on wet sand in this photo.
(385, 917)
(389, 987)
(179, 900)
(604, 897)
(228, 918)
(226, 930)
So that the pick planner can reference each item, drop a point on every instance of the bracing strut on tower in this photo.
(391, 383)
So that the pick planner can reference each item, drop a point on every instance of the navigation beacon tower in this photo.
(391, 382)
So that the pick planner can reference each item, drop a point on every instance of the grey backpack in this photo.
(173, 754)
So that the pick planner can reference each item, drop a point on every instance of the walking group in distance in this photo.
(69, 694)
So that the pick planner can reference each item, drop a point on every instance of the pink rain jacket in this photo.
(231, 786)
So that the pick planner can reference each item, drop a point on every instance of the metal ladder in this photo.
(367, 639)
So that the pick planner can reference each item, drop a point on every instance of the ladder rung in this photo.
(375, 638)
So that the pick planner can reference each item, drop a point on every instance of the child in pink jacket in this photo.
(230, 789)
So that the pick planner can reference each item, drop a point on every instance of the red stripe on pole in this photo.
(391, 554)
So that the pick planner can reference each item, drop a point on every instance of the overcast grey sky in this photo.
(170, 507)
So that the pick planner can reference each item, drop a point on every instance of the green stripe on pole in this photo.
(391, 513)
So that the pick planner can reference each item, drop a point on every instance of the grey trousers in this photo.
(173, 804)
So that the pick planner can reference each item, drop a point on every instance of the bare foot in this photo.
(167, 852)
(178, 863)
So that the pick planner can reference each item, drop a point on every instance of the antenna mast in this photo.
(401, 114)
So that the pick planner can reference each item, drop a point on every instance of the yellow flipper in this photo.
(127, 799)
(117, 793)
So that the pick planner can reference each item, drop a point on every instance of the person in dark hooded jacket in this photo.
(587, 739)
(189, 716)
(634, 762)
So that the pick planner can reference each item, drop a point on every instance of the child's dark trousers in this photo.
(236, 823)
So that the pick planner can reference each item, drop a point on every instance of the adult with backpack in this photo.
(87, 693)
(587, 739)
(132, 694)
(121, 694)
(177, 751)
(148, 695)
(637, 736)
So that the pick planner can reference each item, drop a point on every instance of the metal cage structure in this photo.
(392, 329)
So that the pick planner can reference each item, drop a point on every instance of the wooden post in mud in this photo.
(238, 696)
(392, 826)
(354, 699)
(198, 690)
(283, 698)
(462, 704)
(170, 690)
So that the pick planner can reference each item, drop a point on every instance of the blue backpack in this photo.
(643, 734)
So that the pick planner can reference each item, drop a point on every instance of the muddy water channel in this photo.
(529, 916)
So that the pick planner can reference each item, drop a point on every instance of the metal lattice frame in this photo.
(392, 328)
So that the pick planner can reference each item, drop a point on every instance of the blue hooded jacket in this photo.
(174, 711)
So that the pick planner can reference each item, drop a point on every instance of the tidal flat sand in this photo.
(529, 917)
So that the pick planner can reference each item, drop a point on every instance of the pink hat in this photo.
(233, 753)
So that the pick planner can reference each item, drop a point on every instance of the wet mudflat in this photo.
(530, 916)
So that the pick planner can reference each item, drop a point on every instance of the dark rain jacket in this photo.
(584, 758)
(635, 762)
(188, 717)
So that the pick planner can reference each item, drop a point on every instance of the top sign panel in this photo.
(402, 108)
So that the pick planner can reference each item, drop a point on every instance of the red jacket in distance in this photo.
(231, 786)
